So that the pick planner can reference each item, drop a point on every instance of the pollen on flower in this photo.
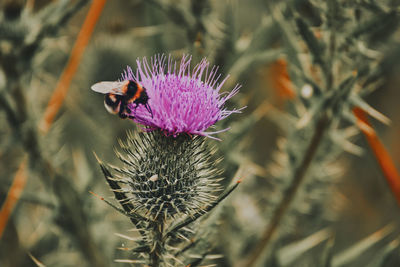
(182, 100)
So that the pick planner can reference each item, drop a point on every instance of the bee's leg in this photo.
(122, 115)
(149, 109)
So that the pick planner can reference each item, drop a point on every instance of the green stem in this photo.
(157, 248)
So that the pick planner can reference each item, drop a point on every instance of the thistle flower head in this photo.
(181, 100)
(169, 174)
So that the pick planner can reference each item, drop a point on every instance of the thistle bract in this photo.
(167, 176)
(182, 100)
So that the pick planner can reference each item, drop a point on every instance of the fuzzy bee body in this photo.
(117, 96)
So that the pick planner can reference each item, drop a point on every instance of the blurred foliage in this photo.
(336, 208)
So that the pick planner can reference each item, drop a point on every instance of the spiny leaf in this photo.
(350, 254)
(290, 253)
(359, 102)
(312, 42)
(197, 215)
(384, 253)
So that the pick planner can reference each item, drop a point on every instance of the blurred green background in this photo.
(242, 38)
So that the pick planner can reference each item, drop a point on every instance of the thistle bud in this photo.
(167, 176)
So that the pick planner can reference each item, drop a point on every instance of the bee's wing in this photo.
(108, 87)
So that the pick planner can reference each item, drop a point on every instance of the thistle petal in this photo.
(181, 100)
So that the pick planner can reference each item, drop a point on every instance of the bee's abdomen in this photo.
(112, 103)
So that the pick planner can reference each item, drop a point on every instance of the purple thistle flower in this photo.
(181, 101)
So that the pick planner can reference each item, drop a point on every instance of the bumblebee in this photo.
(118, 95)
